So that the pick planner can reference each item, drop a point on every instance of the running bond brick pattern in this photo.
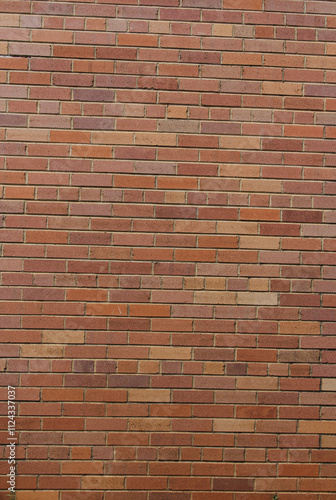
(167, 248)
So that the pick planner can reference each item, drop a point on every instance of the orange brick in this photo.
(146, 395)
(298, 328)
(27, 135)
(233, 425)
(63, 337)
(261, 242)
(212, 368)
(70, 136)
(37, 495)
(303, 131)
(91, 151)
(242, 4)
(282, 88)
(138, 40)
(177, 111)
(222, 29)
(215, 283)
(237, 227)
(63, 394)
(261, 383)
(43, 351)
(316, 426)
(258, 285)
(3, 48)
(233, 142)
(153, 139)
(152, 424)
(10, 20)
(170, 353)
(202, 297)
(112, 137)
(20, 193)
(261, 185)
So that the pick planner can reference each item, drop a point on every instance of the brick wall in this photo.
(167, 248)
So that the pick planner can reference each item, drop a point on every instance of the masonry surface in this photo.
(168, 248)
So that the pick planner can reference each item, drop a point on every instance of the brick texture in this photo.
(168, 248)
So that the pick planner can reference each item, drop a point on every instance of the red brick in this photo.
(168, 256)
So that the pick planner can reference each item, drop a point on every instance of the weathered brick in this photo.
(167, 247)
